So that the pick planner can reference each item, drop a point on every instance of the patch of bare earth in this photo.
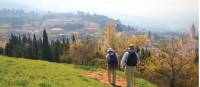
(102, 77)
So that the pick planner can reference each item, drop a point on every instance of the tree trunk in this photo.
(173, 80)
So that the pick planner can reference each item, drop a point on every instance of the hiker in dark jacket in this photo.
(130, 60)
(112, 64)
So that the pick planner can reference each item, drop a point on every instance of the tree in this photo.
(150, 35)
(47, 55)
(138, 40)
(40, 48)
(29, 46)
(24, 46)
(19, 51)
(67, 44)
(193, 31)
(111, 34)
(30, 52)
(172, 62)
(142, 53)
(1, 51)
(35, 48)
(83, 52)
(8, 50)
(63, 41)
(73, 38)
(56, 50)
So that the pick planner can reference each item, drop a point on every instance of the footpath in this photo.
(102, 77)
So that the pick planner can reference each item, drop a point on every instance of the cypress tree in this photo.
(30, 52)
(63, 46)
(63, 41)
(137, 49)
(8, 50)
(24, 46)
(10, 45)
(67, 44)
(1, 50)
(46, 47)
(15, 45)
(19, 46)
(73, 38)
(142, 53)
(24, 40)
(35, 47)
(56, 50)
(40, 44)
(30, 49)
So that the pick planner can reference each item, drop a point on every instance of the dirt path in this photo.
(102, 77)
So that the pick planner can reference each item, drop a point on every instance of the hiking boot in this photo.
(113, 84)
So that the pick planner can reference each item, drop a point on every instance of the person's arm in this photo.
(117, 59)
(106, 62)
(123, 61)
(138, 59)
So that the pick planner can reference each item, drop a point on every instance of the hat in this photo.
(131, 47)
(110, 50)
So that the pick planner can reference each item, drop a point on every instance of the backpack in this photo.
(113, 62)
(132, 59)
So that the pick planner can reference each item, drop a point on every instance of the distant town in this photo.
(63, 25)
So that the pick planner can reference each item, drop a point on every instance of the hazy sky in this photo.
(166, 13)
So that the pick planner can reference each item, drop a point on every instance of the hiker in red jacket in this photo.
(112, 64)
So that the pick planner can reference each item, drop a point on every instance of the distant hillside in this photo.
(18, 18)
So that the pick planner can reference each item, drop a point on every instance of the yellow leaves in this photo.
(139, 40)
(111, 34)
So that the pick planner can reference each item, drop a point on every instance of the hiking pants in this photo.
(113, 72)
(129, 72)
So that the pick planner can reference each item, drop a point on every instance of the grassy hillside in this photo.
(35, 73)
(21, 72)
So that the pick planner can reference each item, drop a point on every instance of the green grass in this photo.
(19, 72)
(35, 73)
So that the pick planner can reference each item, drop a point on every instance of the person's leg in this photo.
(114, 76)
(132, 76)
(109, 75)
(133, 71)
(128, 76)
